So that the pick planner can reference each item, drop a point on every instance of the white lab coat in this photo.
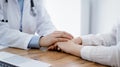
(103, 48)
(9, 32)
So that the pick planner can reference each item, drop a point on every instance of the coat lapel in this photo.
(28, 21)
(13, 13)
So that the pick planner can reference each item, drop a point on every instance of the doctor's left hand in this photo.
(57, 36)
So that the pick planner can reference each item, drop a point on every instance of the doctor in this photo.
(20, 19)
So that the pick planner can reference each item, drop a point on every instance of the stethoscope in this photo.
(33, 11)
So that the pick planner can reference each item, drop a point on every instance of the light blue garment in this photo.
(21, 4)
(34, 42)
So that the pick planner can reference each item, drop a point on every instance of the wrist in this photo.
(76, 50)
(40, 41)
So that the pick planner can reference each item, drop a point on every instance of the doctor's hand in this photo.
(57, 36)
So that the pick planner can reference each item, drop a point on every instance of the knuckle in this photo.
(63, 32)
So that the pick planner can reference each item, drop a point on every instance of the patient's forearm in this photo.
(76, 50)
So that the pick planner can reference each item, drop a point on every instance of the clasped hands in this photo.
(62, 41)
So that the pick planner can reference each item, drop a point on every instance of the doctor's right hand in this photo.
(57, 36)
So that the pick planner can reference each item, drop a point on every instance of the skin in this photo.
(70, 47)
(73, 46)
(57, 36)
(77, 40)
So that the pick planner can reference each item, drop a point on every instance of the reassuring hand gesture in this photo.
(70, 47)
(57, 36)
(76, 41)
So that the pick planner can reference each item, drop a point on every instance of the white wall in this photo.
(85, 10)
(105, 14)
(65, 14)
(99, 16)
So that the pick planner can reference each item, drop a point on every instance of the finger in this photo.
(53, 47)
(61, 39)
(68, 34)
(49, 48)
(58, 49)
(63, 34)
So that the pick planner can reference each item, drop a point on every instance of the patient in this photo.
(100, 48)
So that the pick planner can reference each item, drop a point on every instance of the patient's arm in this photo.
(100, 54)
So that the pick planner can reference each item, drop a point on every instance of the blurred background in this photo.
(81, 17)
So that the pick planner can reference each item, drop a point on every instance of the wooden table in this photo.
(57, 59)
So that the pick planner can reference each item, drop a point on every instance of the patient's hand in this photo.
(56, 45)
(77, 40)
(66, 46)
(70, 47)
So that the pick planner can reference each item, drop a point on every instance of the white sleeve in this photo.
(107, 39)
(102, 54)
(44, 24)
(11, 37)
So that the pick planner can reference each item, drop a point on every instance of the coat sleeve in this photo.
(106, 39)
(11, 37)
(44, 24)
(102, 54)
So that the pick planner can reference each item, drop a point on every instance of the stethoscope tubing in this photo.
(33, 11)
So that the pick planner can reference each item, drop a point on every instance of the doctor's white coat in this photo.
(9, 32)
